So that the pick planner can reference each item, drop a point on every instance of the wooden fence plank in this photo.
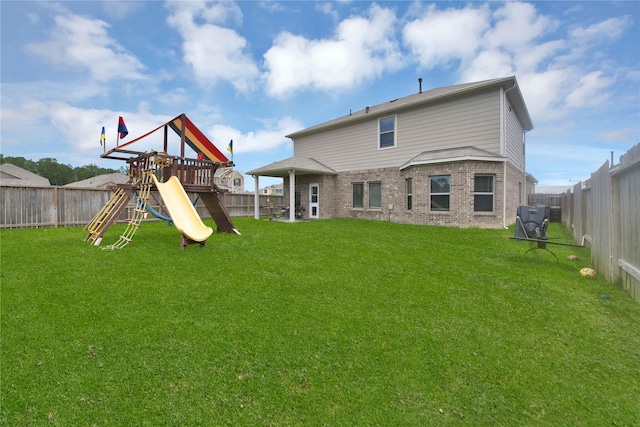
(29, 207)
(605, 212)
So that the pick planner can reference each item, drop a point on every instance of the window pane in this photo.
(375, 195)
(440, 203)
(386, 140)
(358, 195)
(387, 124)
(387, 127)
(483, 184)
(483, 203)
(440, 184)
(409, 190)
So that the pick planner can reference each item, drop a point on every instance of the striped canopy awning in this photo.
(192, 136)
(196, 139)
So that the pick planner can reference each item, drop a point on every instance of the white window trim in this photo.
(431, 210)
(395, 132)
(369, 207)
(486, 193)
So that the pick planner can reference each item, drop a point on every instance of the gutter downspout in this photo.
(503, 152)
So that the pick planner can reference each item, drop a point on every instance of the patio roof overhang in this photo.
(299, 165)
(289, 168)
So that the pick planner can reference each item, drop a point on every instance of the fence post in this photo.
(56, 221)
(616, 238)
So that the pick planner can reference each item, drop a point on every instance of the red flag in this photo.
(122, 128)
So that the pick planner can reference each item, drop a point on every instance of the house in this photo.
(229, 179)
(448, 156)
(104, 181)
(272, 190)
(14, 176)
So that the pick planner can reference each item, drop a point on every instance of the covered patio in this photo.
(288, 168)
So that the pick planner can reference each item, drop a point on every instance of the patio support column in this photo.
(256, 208)
(292, 195)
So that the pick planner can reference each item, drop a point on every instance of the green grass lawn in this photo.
(332, 322)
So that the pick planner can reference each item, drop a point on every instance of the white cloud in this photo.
(79, 42)
(361, 49)
(517, 26)
(488, 64)
(590, 91)
(214, 52)
(558, 72)
(72, 134)
(607, 30)
(263, 140)
(175, 97)
(328, 9)
(82, 126)
(119, 8)
(529, 60)
(620, 136)
(440, 37)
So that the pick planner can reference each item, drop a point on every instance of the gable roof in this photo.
(100, 181)
(301, 166)
(224, 172)
(510, 85)
(15, 176)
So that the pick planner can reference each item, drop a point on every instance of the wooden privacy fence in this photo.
(604, 211)
(28, 207)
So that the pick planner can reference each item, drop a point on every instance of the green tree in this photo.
(57, 173)
(21, 162)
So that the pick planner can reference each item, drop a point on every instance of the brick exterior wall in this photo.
(336, 194)
(517, 190)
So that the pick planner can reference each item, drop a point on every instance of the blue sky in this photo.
(255, 71)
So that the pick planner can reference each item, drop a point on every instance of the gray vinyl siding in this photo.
(466, 121)
(514, 143)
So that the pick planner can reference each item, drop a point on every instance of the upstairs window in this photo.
(440, 187)
(387, 132)
(483, 186)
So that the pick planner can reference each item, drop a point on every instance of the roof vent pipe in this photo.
(420, 84)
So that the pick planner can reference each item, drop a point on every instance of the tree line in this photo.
(58, 173)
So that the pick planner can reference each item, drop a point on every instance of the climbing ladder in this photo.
(107, 215)
(141, 203)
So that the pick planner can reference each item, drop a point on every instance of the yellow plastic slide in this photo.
(181, 211)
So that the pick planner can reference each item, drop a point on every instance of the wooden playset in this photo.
(173, 176)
